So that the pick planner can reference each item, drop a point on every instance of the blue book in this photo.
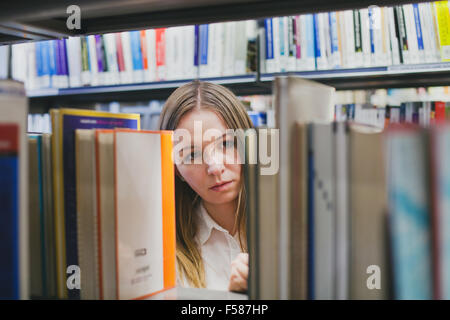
(371, 30)
(310, 36)
(196, 45)
(317, 49)
(204, 29)
(136, 52)
(52, 61)
(45, 62)
(38, 52)
(72, 119)
(418, 26)
(9, 212)
(409, 210)
(268, 27)
(63, 58)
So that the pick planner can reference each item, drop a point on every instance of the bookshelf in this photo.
(433, 74)
(24, 22)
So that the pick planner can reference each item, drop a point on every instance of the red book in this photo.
(439, 114)
(9, 138)
(120, 59)
(144, 50)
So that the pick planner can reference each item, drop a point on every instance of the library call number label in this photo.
(228, 309)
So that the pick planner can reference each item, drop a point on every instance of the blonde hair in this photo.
(198, 94)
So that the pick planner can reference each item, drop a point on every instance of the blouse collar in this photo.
(206, 224)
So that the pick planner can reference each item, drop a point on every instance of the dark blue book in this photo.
(9, 212)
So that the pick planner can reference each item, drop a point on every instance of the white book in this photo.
(411, 34)
(150, 38)
(145, 213)
(14, 110)
(432, 31)
(240, 55)
(395, 53)
(357, 23)
(74, 61)
(291, 60)
(31, 75)
(171, 47)
(426, 36)
(229, 45)
(111, 56)
(127, 58)
(343, 38)
(327, 39)
(188, 38)
(276, 66)
(92, 50)
(215, 50)
(385, 36)
(18, 63)
(322, 61)
(365, 35)
(377, 20)
(4, 61)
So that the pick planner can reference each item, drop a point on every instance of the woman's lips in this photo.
(221, 187)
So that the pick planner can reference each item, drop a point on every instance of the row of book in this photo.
(88, 210)
(362, 211)
(424, 113)
(369, 37)
(210, 50)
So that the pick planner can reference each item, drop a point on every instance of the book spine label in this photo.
(359, 55)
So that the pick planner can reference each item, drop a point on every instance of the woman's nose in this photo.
(214, 163)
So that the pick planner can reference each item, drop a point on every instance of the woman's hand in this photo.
(239, 273)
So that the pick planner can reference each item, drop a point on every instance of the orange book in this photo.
(144, 188)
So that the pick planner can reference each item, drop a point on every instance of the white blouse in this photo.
(218, 249)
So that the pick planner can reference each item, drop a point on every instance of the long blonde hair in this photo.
(198, 94)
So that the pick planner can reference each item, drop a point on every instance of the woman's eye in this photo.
(191, 156)
(228, 143)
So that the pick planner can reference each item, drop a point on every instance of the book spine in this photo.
(64, 68)
(443, 22)
(120, 58)
(299, 54)
(411, 32)
(203, 39)
(74, 60)
(359, 55)
(428, 52)
(151, 52)
(52, 64)
(136, 54)
(145, 68)
(276, 44)
(85, 69)
(58, 67)
(240, 55)
(309, 43)
(127, 57)
(100, 61)
(404, 44)
(335, 52)
(93, 64)
(161, 54)
(111, 50)
(435, 30)
(350, 38)
(269, 45)
(393, 37)
(291, 44)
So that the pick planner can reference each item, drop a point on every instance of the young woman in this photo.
(209, 187)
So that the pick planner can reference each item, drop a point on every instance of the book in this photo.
(367, 221)
(409, 212)
(15, 189)
(87, 222)
(64, 124)
(144, 212)
(10, 277)
(36, 220)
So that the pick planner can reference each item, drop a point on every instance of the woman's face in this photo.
(211, 164)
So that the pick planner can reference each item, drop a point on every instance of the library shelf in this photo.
(24, 21)
(396, 76)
